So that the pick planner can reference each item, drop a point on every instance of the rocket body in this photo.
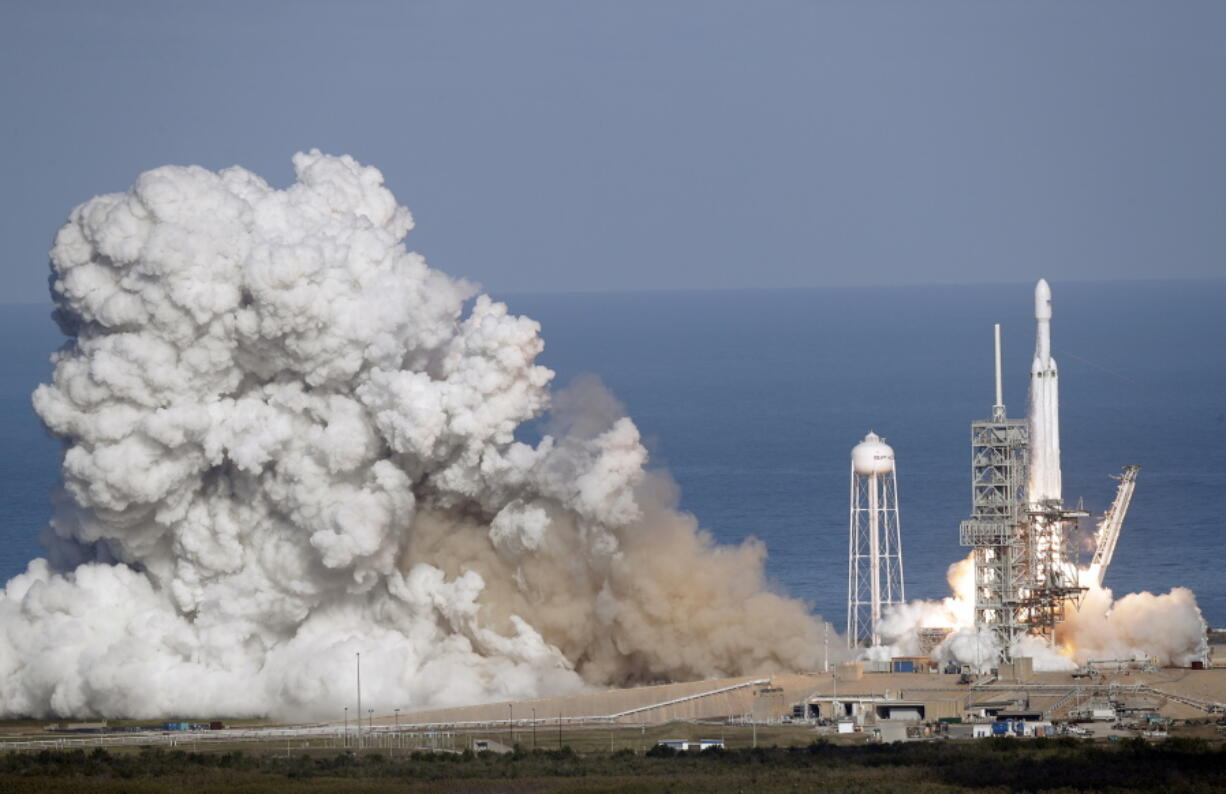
(1044, 484)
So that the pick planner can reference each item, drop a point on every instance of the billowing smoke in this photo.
(1168, 628)
(287, 440)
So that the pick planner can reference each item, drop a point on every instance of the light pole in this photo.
(533, 729)
(358, 662)
(511, 722)
(834, 701)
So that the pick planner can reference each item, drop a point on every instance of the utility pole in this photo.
(559, 730)
(358, 660)
(398, 727)
(346, 726)
(511, 722)
(533, 729)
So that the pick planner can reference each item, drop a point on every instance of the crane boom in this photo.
(1113, 521)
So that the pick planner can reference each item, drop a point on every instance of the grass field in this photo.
(991, 765)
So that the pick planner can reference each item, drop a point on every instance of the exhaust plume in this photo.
(1168, 628)
(287, 440)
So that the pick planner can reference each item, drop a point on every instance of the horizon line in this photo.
(781, 288)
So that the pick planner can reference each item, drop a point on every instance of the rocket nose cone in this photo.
(1042, 300)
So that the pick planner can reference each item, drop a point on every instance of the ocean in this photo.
(752, 400)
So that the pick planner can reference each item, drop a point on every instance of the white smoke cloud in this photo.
(1167, 628)
(288, 440)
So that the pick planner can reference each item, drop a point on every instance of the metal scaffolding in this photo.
(998, 485)
(1053, 585)
(994, 530)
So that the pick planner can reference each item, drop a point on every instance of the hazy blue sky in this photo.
(550, 146)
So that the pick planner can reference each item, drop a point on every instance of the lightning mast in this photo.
(874, 553)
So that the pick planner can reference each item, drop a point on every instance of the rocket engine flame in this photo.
(287, 440)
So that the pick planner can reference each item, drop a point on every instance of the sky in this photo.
(596, 146)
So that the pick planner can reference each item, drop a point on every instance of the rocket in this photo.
(1044, 415)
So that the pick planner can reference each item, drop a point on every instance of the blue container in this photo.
(904, 666)
(1000, 728)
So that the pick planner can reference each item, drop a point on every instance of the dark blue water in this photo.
(753, 400)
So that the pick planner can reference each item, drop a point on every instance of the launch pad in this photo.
(1026, 577)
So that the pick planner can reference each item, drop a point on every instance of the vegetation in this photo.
(999, 764)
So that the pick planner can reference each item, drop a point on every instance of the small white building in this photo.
(683, 745)
(969, 730)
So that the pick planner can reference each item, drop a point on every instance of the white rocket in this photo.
(1044, 418)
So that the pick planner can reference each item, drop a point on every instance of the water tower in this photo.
(874, 551)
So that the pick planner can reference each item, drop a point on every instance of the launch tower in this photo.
(995, 530)
(874, 554)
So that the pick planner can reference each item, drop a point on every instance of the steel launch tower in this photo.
(995, 530)
(874, 552)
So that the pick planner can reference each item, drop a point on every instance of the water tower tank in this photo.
(872, 456)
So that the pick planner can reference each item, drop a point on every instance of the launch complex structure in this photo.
(1026, 577)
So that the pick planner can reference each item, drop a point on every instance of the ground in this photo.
(620, 755)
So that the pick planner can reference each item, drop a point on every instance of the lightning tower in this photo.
(874, 553)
